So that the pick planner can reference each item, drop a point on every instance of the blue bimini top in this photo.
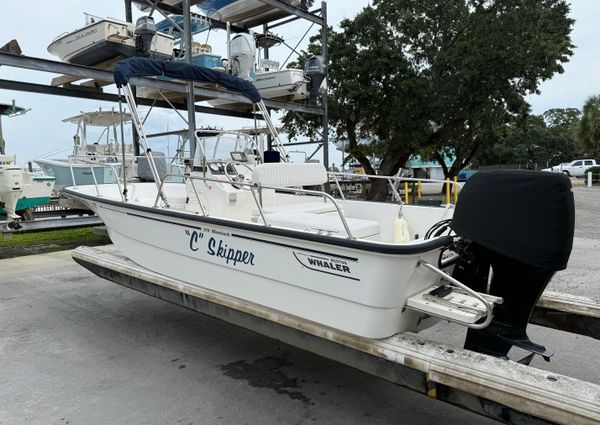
(144, 67)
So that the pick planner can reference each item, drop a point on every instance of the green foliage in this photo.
(481, 59)
(435, 77)
(544, 139)
(588, 133)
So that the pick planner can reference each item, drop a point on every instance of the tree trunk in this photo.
(390, 165)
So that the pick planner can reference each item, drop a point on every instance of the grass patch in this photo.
(54, 240)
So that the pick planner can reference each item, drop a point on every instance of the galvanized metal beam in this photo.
(496, 388)
(287, 21)
(73, 91)
(311, 142)
(294, 11)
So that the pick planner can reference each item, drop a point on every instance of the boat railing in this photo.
(393, 182)
(103, 159)
(92, 165)
(255, 190)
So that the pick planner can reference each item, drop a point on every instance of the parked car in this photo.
(574, 168)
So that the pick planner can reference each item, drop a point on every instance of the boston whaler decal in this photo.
(326, 264)
(216, 246)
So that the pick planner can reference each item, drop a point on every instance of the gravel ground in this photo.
(582, 274)
(587, 212)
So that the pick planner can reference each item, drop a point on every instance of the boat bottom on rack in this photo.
(500, 389)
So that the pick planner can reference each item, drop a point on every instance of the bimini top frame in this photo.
(143, 67)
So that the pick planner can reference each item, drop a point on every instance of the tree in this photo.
(546, 139)
(481, 58)
(562, 125)
(588, 133)
(438, 76)
(375, 97)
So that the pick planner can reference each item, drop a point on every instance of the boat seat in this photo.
(285, 174)
(323, 223)
(314, 207)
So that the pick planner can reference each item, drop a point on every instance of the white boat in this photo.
(286, 85)
(246, 13)
(105, 39)
(92, 162)
(247, 228)
(289, 85)
(20, 188)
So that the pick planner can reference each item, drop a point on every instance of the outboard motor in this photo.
(11, 189)
(315, 70)
(242, 52)
(145, 29)
(516, 231)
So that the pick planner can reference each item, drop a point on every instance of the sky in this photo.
(41, 131)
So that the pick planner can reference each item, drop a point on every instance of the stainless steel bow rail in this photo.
(500, 389)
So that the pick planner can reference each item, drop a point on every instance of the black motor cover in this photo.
(520, 223)
(525, 215)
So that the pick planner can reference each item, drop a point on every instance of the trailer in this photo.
(504, 390)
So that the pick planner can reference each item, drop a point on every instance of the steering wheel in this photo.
(238, 178)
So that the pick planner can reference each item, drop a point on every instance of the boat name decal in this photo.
(218, 248)
(86, 34)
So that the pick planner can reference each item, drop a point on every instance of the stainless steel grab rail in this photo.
(253, 187)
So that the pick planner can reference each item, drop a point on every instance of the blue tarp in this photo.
(143, 67)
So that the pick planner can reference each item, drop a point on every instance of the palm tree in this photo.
(588, 133)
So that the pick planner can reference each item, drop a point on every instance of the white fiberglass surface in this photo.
(140, 193)
(419, 218)
(367, 220)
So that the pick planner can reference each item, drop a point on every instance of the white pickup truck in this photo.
(575, 168)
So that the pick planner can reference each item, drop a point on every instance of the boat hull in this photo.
(360, 290)
(288, 85)
(246, 13)
(105, 40)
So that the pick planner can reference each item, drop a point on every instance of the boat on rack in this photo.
(288, 85)
(105, 40)
(20, 188)
(173, 25)
(93, 161)
(251, 228)
(246, 13)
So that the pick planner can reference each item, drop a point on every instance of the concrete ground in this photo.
(76, 349)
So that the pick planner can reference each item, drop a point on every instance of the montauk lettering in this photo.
(235, 256)
(324, 264)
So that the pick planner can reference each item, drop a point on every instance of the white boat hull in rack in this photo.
(286, 85)
(103, 40)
